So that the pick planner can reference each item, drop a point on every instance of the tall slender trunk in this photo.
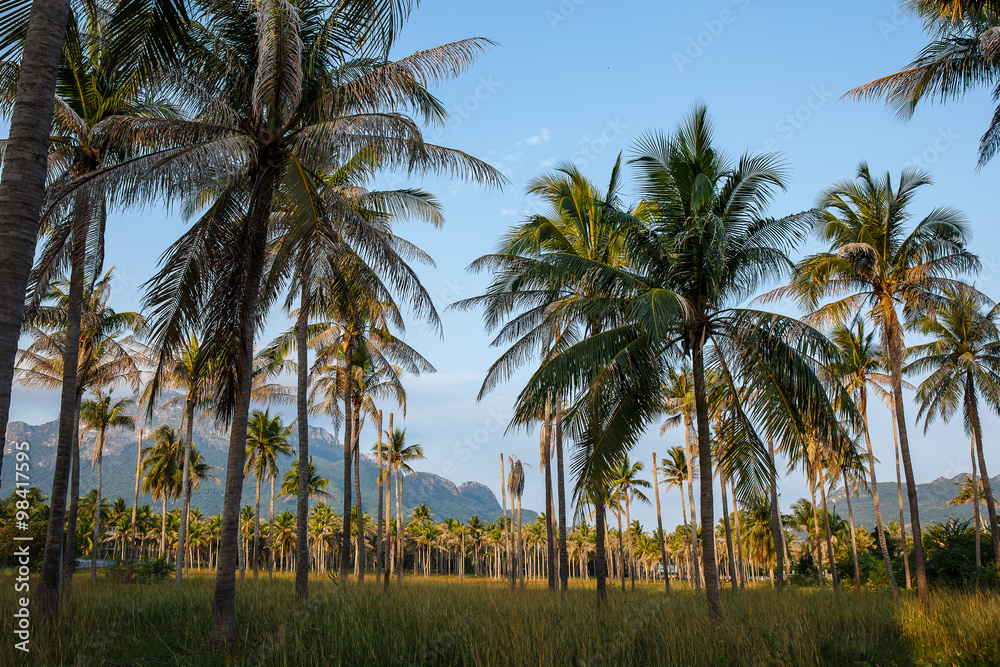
(22, 186)
(68, 564)
(816, 539)
(302, 421)
(826, 521)
(550, 537)
(388, 507)
(690, 540)
(707, 499)
(895, 347)
(359, 548)
(47, 591)
(739, 538)
(507, 522)
(631, 548)
(561, 491)
(224, 601)
(381, 484)
(621, 548)
(256, 528)
(854, 541)
(600, 551)
(186, 492)
(729, 536)
(520, 545)
(95, 551)
(899, 494)
(400, 536)
(135, 508)
(984, 476)
(345, 538)
(163, 525)
(688, 429)
(776, 535)
(879, 525)
(270, 534)
(659, 527)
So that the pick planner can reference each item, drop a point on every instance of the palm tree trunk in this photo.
(600, 552)
(507, 522)
(984, 476)
(550, 537)
(729, 536)
(854, 541)
(185, 492)
(688, 429)
(895, 347)
(739, 538)
(46, 597)
(812, 494)
(95, 550)
(270, 537)
(381, 483)
(359, 549)
(690, 540)
(899, 493)
(224, 603)
(345, 538)
(163, 525)
(631, 547)
(69, 553)
(659, 527)
(826, 521)
(561, 491)
(302, 421)
(22, 186)
(707, 499)
(400, 537)
(520, 545)
(256, 528)
(976, 518)
(135, 508)
(776, 535)
(879, 525)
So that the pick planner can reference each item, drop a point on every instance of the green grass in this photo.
(443, 622)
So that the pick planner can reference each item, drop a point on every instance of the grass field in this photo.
(443, 622)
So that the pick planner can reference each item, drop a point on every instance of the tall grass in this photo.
(442, 622)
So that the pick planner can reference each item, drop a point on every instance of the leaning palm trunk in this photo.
(893, 342)
(46, 594)
(696, 576)
(707, 500)
(899, 494)
(95, 551)
(224, 604)
(561, 483)
(659, 527)
(68, 564)
(185, 495)
(854, 541)
(984, 476)
(302, 419)
(879, 525)
(22, 186)
(135, 509)
(777, 537)
(345, 538)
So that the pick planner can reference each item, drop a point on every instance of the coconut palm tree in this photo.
(859, 364)
(628, 488)
(874, 264)
(515, 485)
(267, 437)
(161, 476)
(961, 57)
(315, 485)
(398, 455)
(963, 365)
(101, 414)
(675, 473)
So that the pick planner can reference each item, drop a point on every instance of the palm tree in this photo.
(963, 362)
(267, 128)
(101, 415)
(161, 476)
(961, 56)
(515, 484)
(659, 526)
(873, 263)
(859, 364)
(315, 485)
(675, 473)
(398, 457)
(108, 356)
(267, 437)
(627, 488)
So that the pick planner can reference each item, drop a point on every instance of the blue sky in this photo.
(579, 80)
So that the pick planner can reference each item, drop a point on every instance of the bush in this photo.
(141, 573)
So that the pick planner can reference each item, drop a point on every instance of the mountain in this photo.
(445, 499)
(932, 496)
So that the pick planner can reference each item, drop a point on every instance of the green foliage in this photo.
(145, 572)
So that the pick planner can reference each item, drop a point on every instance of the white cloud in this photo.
(541, 138)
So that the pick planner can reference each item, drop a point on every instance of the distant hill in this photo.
(932, 496)
(445, 499)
